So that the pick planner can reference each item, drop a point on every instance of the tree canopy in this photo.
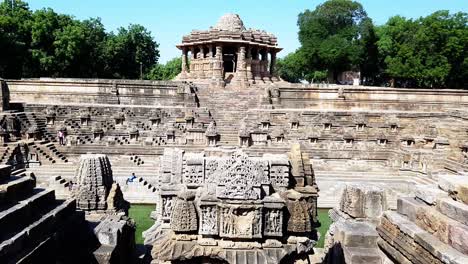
(332, 36)
(45, 43)
(166, 71)
(430, 51)
(338, 36)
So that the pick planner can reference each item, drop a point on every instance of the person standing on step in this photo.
(61, 136)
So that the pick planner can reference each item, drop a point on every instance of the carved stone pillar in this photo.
(201, 58)
(256, 65)
(272, 63)
(218, 74)
(249, 64)
(241, 74)
(209, 64)
(184, 63)
(192, 62)
(264, 63)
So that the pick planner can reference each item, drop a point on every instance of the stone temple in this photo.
(229, 54)
(237, 162)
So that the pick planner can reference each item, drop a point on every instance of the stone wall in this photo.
(100, 91)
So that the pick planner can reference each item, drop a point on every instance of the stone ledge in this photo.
(453, 209)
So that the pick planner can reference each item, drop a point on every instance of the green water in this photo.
(141, 214)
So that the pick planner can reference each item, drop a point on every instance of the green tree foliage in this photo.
(44, 43)
(290, 68)
(166, 71)
(334, 37)
(130, 50)
(14, 37)
(430, 51)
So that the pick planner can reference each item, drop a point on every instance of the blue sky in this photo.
(169, 20)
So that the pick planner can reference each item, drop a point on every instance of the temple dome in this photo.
(230, 22)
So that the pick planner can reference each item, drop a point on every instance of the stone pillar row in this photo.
(249, 65)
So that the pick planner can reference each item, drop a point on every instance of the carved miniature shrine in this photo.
(228, 206)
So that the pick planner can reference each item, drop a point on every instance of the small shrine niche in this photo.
(382, 141)
(280, 139)
(98, 134)
(119, 119)
(327, 126)
(50, 118)
(464, 149)
(313, 140)
(409, 142)
(244, 141)
(244, 135)
(265, 125)
(189, 122)
(360, 127)
(394, 127)
(34, 133)
(133, 134)
(349, 141)
(155, 121)
(294, 125)
(84, 119)
(212, 134)
(170, 136)
(189, 119)
(3, 135)
(33, 157)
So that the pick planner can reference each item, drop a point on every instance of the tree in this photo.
(131, 50)
(166, 71)
(290, 68)
(45, 43)
(331, 37)
(430, 51)
(14, 37)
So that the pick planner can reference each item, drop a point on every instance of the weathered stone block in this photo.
(442, 227)
(429, 194)
(433, 222)
(407, 206)
(353, 234)
(453, 209)
(456, 186)
(360, 201)
(362, 255)
(458, 237)
(440, 250)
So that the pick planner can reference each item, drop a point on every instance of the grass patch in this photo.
(141, 214)
(325, 223)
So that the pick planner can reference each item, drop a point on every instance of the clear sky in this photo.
(169, 20)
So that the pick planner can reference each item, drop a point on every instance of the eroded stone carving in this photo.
(94, 188)
(232, 200)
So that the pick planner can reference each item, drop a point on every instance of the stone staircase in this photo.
(30, 218)
(28, 119)
(141, 190)
(5, 154)
(47, 151)
(226, 111)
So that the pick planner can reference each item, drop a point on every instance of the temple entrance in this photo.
(229, 60)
